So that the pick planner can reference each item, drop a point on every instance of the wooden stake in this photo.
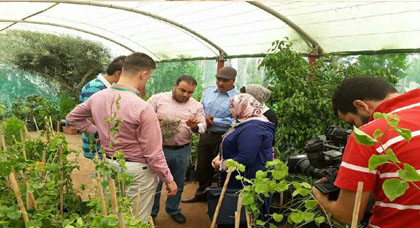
(357, 202)
(137, 201)
(101, 195)
(14, 139)
(15, 188)
(222, 195)
(115, 203)
(248, 219)
(23, 140)
(3, 142)
(27, 132)
(238, 212)
(58, 126)
(30, 199)
(36, 124)
(151, 223)
(60, 163)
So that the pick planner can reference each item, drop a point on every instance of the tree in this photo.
(166, 74)
(71, 61)
(301, 94)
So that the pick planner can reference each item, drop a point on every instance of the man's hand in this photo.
(193, 124)
(318, 195)
(172, 188)
(209, 120)
(216, 162)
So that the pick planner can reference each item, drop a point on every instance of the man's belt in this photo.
(175, 147)
(215, 132)
(114, 158)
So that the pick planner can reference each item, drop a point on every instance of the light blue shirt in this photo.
(217, 104)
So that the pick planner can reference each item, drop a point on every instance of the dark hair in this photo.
(242, 89)
(186, 78)
(115, 65)
(138, 61)
(359, 88)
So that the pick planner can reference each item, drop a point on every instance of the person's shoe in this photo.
(179, 218)
(200, 198)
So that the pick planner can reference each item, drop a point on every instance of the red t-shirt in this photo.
(404, 211)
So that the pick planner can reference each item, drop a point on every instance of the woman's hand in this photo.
(216, 162)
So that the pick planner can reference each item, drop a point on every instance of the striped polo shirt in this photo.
(88, 90)
(404, 210)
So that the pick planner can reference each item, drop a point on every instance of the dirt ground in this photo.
(196, 213)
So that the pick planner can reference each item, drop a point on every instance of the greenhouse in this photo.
(211, 71)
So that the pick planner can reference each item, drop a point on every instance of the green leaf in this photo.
(282, 186)
(319, 220)
(392, 120)
(377, 133)
(247, 199)
(297, 217)
(363, 138)
(391, 155)
(306, 185)
(409, 173)
(377, 160)
(378, 115)
(394, 188)
(278, 175)
(309, 204)
(261, 188)
(277, 217)
(260, 174)
(33, 224)
(13, 214)
(405, 133)
(260, 223)
(308, 216)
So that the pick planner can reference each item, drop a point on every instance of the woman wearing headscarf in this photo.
(262, 94)
(249, 141)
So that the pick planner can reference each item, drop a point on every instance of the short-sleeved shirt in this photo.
(404, 210)
(90, 147)
(217, 104)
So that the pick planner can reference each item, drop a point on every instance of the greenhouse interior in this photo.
(248, 113)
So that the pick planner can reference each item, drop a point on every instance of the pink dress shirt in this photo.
(167, 107)
(139, 134)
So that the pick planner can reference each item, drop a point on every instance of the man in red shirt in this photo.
(355, 101)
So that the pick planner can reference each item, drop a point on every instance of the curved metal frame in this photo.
(316, 48)
(68, 27)
(196, 34)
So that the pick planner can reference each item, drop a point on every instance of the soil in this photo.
(196, 213)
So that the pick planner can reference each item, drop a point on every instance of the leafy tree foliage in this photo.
(301, 93)
(166, 74)
(69, 60)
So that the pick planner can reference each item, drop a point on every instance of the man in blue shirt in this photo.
(216, 103)
(113, 73)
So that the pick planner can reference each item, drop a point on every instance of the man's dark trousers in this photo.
(208, 148)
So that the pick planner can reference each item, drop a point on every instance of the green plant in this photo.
(301, 92)
(272, 181)
(169, 129)
(407, 174)
(166, 74)
(12, 127)
(35, 107)
(66, 104)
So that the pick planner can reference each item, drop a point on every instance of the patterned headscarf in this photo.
(246, 107)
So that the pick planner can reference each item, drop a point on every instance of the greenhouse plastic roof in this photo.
(176, 29)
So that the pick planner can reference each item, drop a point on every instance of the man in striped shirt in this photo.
(354, 101)
(113, 73)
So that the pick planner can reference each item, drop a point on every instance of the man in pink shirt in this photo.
(139, 135)
(178, 105)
